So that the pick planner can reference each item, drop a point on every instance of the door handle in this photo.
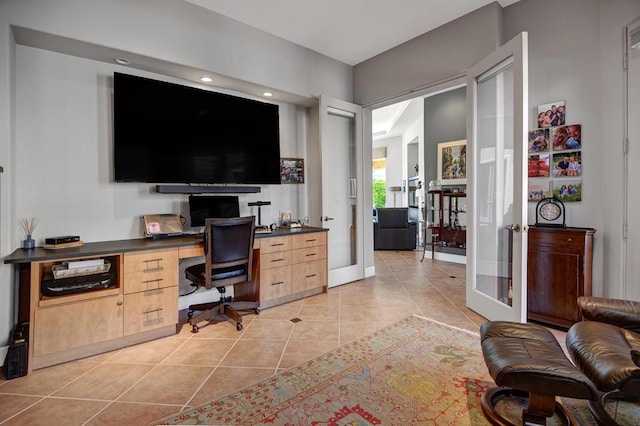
(514, 228)
(326, 218)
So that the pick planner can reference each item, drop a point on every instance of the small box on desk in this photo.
(62, 240)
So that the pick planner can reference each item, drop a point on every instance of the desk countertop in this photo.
(136, 244)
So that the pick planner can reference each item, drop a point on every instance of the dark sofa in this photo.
(393, 230)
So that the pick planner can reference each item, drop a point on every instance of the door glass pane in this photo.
(342, 181)
(494, 183)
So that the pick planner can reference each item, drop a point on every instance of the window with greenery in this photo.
(379, 182)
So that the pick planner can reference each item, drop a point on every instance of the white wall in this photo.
(575, 55)
(55, 113)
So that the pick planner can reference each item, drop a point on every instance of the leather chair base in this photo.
(539, 408)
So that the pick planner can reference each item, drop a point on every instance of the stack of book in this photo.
(65, 241)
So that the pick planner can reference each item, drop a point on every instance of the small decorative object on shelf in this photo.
(29, 226)
(550, 213)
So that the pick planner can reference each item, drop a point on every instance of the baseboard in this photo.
(3, 354)
(370, 271)
(448, 257)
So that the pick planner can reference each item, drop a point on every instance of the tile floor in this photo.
(139, 384)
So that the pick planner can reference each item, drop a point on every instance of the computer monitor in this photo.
(203, 206)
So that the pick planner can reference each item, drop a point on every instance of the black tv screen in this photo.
(203, 206)
(169, 133)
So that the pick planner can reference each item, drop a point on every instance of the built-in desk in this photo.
(140, 302)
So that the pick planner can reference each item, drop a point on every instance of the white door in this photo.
(497, 104)
(632, 242)
(342, 201)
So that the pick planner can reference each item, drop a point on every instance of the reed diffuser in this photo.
(29, 225)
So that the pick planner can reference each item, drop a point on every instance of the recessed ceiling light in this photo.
(206, 79)
(267, 94)
(122, 61)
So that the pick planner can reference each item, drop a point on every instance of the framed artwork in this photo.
(567, 189)
(291, 170)
(538, 141)
(551, 114)
(452, 162)
(538, 165)
(539, 189)
(567, 137)
(567, 164)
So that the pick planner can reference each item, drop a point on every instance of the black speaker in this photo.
(15, 365)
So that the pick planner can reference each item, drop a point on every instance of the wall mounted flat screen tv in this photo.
(203, 206)
(169, 133)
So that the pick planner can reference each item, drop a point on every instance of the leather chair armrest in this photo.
(623, 313)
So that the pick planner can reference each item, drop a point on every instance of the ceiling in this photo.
(350, 31)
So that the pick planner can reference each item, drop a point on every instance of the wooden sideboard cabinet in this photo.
(559, 270)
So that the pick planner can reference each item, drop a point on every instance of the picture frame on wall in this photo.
(291, 170)
(551, 114)
(452, 162)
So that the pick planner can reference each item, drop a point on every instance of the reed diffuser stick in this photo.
(29, 224)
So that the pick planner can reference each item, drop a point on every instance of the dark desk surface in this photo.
(136, 244)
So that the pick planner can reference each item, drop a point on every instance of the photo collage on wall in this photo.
(555, 156)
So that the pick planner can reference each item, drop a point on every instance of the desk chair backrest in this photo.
(228, 245)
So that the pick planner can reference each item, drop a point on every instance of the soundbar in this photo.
(205, 189)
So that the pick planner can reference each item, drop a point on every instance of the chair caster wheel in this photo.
(257, 311)
(195, 329)
(239, 326)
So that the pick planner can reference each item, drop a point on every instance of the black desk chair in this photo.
(228, 248)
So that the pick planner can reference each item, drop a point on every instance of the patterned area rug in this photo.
(416, 371)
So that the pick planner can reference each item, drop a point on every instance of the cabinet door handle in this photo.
(310, 241)
(278, 283)
(277, 244)
(277, 260)
(119, 303)
(152, 311)
(569, 239)
(311, 254)
(158, 280)
(312, 275)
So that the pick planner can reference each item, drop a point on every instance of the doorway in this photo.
(407, 132)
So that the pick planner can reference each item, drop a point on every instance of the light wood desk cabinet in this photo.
(141, 300)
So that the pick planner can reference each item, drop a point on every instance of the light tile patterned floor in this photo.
(141, 383)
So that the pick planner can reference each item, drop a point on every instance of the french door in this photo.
(497, 104)
(342, 188)
(631, 289)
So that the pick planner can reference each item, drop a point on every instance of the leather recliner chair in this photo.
(393, 231)
(605, 347)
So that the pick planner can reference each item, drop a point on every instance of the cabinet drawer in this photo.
(309, 254)
(275, 244)
(309, 240)
(152, 280)
(150, 309)
(309, 275)
(63, 327)
(275, 282)
(275, 260)
(572, 241)
(150, 261)
(150, 271)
